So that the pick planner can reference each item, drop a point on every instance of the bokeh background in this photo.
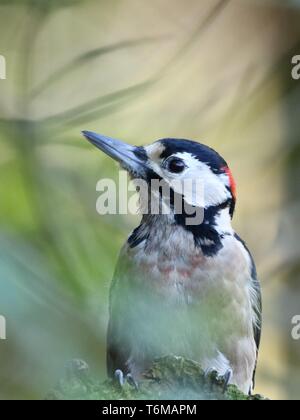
(216, 71)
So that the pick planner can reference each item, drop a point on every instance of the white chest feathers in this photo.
(202, 306)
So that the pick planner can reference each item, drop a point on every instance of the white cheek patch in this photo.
(187, 185)
(191, 189)
(215, 191)
(200, 186)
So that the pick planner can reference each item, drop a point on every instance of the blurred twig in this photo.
(92, 109)
(89, 56)
(200, 29)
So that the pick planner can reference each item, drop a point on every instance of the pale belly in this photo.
(183, 303)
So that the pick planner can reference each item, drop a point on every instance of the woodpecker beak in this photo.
(131, 158)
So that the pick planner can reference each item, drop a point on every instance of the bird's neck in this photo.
(208, 235)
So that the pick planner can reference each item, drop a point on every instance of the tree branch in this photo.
(170, 378)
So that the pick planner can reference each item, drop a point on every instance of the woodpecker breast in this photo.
(178, 272)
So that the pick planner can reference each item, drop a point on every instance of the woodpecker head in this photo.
(175, 160)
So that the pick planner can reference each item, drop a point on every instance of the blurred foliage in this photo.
(138, 71)
(42, 5)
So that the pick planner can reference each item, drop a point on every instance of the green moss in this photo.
(170, 377)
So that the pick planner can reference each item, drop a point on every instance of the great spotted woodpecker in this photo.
(183, 289)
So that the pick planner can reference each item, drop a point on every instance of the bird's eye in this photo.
(175, 165)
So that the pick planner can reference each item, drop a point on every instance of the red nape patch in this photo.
(231, 181)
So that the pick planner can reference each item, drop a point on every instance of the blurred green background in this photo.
(216, 71)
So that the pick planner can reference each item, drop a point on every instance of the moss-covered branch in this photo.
(170, 378)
